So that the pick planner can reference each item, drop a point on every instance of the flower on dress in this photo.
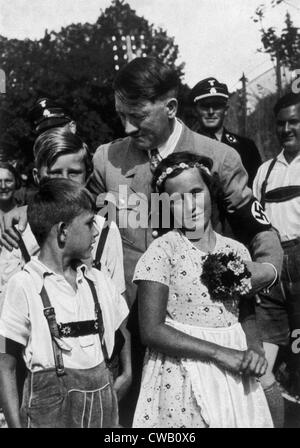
(236, 267)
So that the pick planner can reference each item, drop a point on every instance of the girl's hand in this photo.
(230, 359)
(254, 362)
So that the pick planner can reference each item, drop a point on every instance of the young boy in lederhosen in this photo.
(62, 316)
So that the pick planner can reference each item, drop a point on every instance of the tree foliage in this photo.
(283, 47)
(75, 66)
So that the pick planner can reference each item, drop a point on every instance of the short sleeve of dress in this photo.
(243, 252)
(156, 263)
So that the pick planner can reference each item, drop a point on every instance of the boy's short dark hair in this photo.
(57, 200)
(58, 142)
(145, 79)
(289, 99)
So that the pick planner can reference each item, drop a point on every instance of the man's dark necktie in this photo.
(154, 158)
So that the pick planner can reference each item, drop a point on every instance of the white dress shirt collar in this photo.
(168, 147)
(281, 158)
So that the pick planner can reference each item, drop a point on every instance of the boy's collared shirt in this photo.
(285, 216)
(112, 257)
(22, 318)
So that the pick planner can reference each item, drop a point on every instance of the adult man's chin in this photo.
(141, 143)
(289, 143)
(212, 125)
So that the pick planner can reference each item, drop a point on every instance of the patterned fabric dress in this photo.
(182, 392)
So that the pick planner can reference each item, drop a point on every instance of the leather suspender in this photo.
(49, 313)
(101, 244)
(99, 318)
(265, 182)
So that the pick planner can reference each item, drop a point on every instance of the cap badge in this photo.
(213, 91)
(212, 82)
(46, 113)
(43, 103)
(231, 138)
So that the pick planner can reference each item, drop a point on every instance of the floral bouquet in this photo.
(225, 275)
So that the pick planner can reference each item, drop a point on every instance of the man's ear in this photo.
(62, 232)
(73, 127)
(172, 106)
(36, 177)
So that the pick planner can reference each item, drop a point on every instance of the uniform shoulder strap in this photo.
(265, 182)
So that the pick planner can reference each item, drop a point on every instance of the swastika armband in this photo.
(249, 220)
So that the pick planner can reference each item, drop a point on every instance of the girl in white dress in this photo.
(201, 368)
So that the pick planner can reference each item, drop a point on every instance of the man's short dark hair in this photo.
(289, 99)
(145, 79)
(57, 200)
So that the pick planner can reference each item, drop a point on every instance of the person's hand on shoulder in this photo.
(9, 238)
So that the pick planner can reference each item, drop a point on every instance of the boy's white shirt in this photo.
(22, 318)
(12, 262)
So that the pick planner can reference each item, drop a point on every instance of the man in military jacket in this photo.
(210, 98)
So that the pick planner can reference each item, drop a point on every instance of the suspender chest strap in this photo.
(283, 194)
(101, 244)
(53, 327)
(57, 330)
(99, 319)
(265, 182)
(280, 194)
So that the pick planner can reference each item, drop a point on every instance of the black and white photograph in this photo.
(150, 216)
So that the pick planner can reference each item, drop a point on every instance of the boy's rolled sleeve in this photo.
(14, 319)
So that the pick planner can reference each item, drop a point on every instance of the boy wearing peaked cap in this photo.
(47, 114)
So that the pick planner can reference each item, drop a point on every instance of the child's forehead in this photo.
(66, 159)
(189, 175)
(48, 160)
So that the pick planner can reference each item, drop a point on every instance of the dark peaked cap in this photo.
(208, 88)
(46, 114)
